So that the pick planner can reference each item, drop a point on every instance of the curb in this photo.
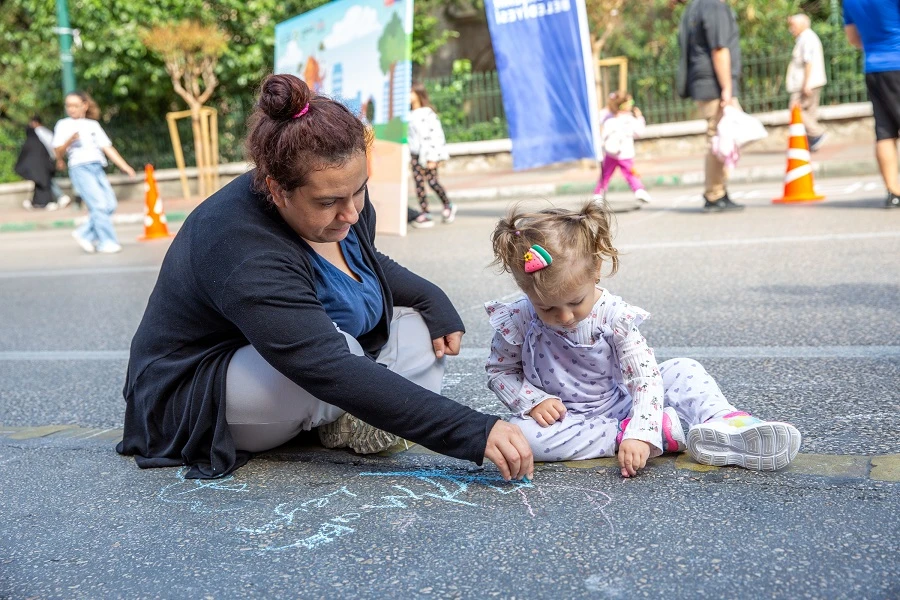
(879, 467)
(742, 175)
(119, 219)
(536, 190)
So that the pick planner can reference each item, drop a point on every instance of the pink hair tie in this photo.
(302, 112)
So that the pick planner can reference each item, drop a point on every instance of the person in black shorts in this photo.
(874, 26)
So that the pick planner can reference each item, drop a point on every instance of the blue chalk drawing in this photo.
(186, 491)
(338, 513)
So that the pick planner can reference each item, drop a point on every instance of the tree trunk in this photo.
(391, 91)
(199, 151)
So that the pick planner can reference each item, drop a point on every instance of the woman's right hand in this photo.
(509, 450)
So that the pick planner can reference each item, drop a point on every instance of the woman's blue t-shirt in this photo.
(354, 306)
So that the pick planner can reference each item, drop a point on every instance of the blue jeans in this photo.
(90, 182)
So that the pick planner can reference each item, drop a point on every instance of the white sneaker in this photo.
(64, 201)
(743, 440)
(643, 196)
(109, 248)
(598, 198)
(27, 205)
(423, 221)
(448, 215)
(86, 244)
(51, 206)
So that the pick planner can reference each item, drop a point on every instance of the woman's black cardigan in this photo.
(237, 274)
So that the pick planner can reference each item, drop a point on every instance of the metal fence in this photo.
(471, 107)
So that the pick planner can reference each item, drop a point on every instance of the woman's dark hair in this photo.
(288, 146)
(420, 91)
(93, 110)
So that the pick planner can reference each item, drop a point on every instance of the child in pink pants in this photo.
(617, 135)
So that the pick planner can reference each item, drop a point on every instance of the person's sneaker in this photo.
(64, 201)
(815, 142)
(723, 204)
(448, 215)
(359, 436)
(51, 206)
(643, 195)
(743, 440)
(423, 221)
(672, 432)
(109, 248)
(27, 205)
(893, 201)
(86, 244)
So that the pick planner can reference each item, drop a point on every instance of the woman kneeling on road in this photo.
(275, 313)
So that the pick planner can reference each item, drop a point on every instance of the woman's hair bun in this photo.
(283, 96)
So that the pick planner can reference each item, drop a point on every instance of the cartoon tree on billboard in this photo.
(392, 49)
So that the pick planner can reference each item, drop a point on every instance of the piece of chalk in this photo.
(525, 479)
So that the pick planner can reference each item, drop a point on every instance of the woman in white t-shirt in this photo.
(81, 140)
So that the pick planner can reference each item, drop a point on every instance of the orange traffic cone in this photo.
(155, 226)
(798, 180)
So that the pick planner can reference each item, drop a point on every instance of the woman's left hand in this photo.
(449, 344)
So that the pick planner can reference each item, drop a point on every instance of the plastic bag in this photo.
(735, 129)
(746, 128)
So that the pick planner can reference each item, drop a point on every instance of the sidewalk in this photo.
(569, 178)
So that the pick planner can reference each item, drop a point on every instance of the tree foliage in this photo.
(190, 52)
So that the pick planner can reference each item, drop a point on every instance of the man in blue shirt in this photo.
(874, 26)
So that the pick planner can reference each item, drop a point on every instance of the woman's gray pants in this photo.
(264, 409)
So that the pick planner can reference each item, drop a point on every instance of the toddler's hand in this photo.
(548, 412)
(633, 455)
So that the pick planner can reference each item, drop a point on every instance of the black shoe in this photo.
(815, 142)
(893, 201)
(723, 204)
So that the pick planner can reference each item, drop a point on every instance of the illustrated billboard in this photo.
(543, 54)
(358, 52)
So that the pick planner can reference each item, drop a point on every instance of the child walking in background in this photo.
(618, 128)
(571, 364)
(427, 148)
(81, 139)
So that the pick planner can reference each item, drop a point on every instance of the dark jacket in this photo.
(237, 274)
(34, 164)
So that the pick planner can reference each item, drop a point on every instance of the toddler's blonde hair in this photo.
(577, 241)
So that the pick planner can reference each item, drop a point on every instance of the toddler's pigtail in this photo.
(506, 240)
(597, 220)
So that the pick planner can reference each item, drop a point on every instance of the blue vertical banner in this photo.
(542, 49)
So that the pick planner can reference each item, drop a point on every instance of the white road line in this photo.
(64, 355)
(853, 187)
(480, 307)
(99, 433)
(868, 352)
(77, 272)
(831, 237)
(748, 352)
